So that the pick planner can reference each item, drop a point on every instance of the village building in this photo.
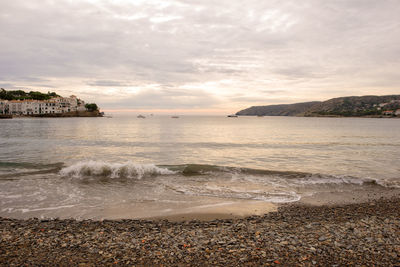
(54, 105)
(388, 112)
(3, 106)
(15, 107)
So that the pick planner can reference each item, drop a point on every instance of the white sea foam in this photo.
(235, 193)
(342, 180)
(113, 170)
(330, 179)
(46, 209)
(314, 180)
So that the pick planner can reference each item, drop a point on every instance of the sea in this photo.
(128, 167)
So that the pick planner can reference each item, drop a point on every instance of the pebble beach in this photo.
(366, 234)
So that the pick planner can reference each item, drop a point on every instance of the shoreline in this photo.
(63, 115)
(78, 114)
(209, 209)
(326, 116)
(244, 209)
(296, 234)
(230, 210)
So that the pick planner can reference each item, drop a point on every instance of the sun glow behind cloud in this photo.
(200, 56)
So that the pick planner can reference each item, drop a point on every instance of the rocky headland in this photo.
(352, 106)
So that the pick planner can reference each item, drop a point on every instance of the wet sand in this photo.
(228, 210)
(356, 196)
(235, 209)
(202, 210)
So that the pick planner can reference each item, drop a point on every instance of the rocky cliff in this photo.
(351, 106)
(278, 110)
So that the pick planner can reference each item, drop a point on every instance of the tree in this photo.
(53, 94)
(3, 93)
(91, 107)
(38, 96)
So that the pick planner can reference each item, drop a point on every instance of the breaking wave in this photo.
(289, 177)
(113, 170)
(131, 170)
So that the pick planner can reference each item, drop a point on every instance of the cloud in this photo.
(108, 83)
(308, 49)
(165, 99)
(273, 92)
(6, 85)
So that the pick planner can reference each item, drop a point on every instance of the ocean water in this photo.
(126, 167)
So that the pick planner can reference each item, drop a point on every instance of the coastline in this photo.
(326, 116)
(229, 210)
(297, 234)
(62, 115)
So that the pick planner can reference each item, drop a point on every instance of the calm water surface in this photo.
(129, 167)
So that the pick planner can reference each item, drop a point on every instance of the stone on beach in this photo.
(354, 234)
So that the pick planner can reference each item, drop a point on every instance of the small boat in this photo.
(232, 116)
(141, 116)
(175, 117)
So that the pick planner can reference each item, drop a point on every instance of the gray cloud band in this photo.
(308, 48)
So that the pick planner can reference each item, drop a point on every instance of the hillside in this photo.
(352, 106)
(22, 95)
(355, 106)
(277, 110)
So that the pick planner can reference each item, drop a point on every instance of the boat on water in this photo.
(232, 116)
(5, 116)
(141, 116)
(175, 117)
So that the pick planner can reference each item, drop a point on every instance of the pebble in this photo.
(322, 238)
(355, 234)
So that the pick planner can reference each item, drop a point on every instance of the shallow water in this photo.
(125, 167)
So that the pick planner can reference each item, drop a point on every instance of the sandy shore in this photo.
(298, 234)
(228, 210)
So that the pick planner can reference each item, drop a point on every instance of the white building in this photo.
(35, 107)
(15, 107)
(3, 106)
(31, 107)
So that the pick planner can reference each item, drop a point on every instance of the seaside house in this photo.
(69, 104)
(30, 107)
(388, 112)
(3, 106)
(15, 107)
(397, 113)
(34, 107)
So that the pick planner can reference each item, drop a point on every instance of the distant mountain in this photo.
(352, 106)
(356, 106)
(278, 110)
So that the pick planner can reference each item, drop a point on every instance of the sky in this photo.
(205, 57)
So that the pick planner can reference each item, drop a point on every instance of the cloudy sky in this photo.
(200, 56)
